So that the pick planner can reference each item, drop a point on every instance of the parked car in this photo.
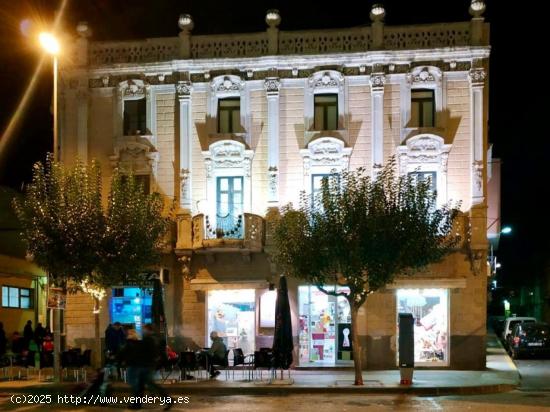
(529, 339)
(513, 321)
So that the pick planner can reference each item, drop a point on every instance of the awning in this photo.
(428, 283)
(204, 284)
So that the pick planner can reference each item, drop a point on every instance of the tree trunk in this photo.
(57, 345)
(97, 349)
(356, 344)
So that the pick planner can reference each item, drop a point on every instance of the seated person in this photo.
(215, 355)
(47, 345)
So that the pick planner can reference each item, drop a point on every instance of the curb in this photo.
(215, 390)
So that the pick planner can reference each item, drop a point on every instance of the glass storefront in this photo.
(232, 314)
(131, 306)
(430, 310)
(324, 327)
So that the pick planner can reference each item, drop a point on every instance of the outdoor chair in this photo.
(188, 363)
(244, 361)
(263, 359)
(46, 361)
(224, 364)
(70, 360)
(166, 367)
(23, 361)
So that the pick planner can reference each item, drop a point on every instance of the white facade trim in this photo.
(426, 153)
(227, 158)
(325, 155)
(325, 82)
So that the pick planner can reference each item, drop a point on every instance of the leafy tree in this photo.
(360, 233)
(78, 243)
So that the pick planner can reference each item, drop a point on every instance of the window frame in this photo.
(30, 297)
(419, 122)
(141, 115)
(432, 173)
(325, 107)
(231, 127)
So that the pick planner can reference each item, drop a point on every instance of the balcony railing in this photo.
(239, 233)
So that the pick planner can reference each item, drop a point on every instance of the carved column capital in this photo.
(477, 77)
(377, 82)
(184, 89)
(272, 86)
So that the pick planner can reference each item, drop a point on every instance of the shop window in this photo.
(131, 306)
(135, 117)
(232, 314)
(326, 112)
(324, 327)
(425, 176)
(430, 311)
(229, 115)
(422, 108)
(14, 297)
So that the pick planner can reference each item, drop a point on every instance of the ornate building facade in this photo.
(232, 127)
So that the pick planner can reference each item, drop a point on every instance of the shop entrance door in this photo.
(232, 314)
(324, 329)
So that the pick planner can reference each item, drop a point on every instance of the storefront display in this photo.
(324, 327)
(131, 306)
(430, 310)
(232, 314)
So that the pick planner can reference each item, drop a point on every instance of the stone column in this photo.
(272, 86)
(477, 80)
(82, 121)
(184, 89)
(377, 81)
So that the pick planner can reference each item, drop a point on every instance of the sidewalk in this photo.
(501, 375)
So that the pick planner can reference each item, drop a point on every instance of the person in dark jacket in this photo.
(140, 358)
(28, 333)
(3, 340)
(215, 355)
(39, 333)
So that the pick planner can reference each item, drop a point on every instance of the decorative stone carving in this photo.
(132, 89)
(254, 231)
(424, 74)
(477, 76)
(272, 85)
(184, 89)
(377, 82)
(326, 151)
(184, 176)
(228, 154)
(426, 152)
(478, 177)
(105, 81)
(186, 267)
(136, 154)
(326, 79)
(225, 84)
(273, 173)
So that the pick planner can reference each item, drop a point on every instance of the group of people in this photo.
(39, 339)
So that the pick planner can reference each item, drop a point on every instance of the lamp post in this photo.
(51, 46)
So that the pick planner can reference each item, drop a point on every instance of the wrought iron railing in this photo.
(229, 226)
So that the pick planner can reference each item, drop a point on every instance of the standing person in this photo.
(39, 333)
(3, 340)
(28, 333)
(131, 355)
(152, 347)
(215, 355)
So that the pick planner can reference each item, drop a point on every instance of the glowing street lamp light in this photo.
(506, 230)
(51, 46)
(49, 43)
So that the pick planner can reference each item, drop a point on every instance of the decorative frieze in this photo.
(225, 84)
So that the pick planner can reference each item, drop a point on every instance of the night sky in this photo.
(518, 86)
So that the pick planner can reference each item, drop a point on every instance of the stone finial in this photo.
(273, 18)
(477, 8)
(83, 29)
(185, 22)
(377, 12)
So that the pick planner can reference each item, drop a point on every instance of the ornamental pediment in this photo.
(326, 151)
(327, 79)
(228, 154)
(132, 89)
(227, 84)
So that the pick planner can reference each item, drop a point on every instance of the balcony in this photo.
(205, 234)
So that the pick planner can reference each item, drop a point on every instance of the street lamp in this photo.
(51, 46)
(506, 230)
